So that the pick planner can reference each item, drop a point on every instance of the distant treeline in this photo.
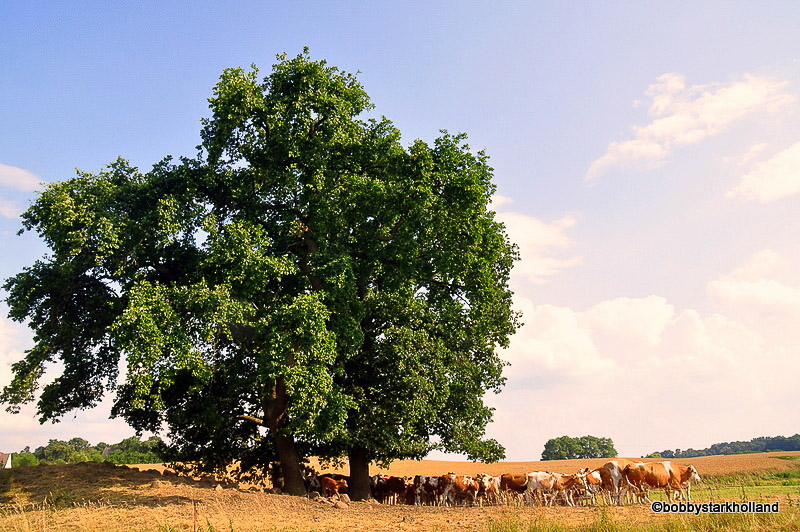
(763, 444)
(129, 451)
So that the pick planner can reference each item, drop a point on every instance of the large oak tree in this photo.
(306, 284)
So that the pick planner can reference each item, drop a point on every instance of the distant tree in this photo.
(134, 451)
(561, 448)
(565, 448)
(24, 459)
(79, 444)
(56, 451)
(606, 448)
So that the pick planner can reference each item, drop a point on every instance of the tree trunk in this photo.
(359, 475)
(275, 408)
(290, 466)
(275, 475)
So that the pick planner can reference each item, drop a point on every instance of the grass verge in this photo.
(786, 520)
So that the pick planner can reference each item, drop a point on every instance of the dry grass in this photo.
(95, 497)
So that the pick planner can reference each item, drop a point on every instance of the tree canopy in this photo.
(566, 448)
(305, 284)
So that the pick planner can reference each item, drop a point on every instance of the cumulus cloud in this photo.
(684, 115)
(764, 294)
(18, 178)
(551, 347)
(633, 369)
(498, 201)
(540, 244)
(772, 179)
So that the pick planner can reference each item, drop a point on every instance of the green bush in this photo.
(24, 460)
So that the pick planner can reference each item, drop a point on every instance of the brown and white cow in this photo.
(592, 484)
(540, 486)
(564, 487)
(514, 486)
(685, 475)
(634, 477)
(613, 479)
(668, 476)
(489, 488)
(458, 487)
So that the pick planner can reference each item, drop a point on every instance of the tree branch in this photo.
(255, 420)
(395, 230)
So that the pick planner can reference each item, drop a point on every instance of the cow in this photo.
(634, 476)
(314, 483)
(331, 486)
(656, 475)
(612, 478)
(377, 487)
(489, 488)
(388, 489)
(540, 486)
(410, 496)
(454, 487)
(592, 482)
(396, 488)
(514, 485)
(684, 475)
(564, 486)
(426, 490)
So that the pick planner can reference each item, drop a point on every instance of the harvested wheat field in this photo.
(101, 497)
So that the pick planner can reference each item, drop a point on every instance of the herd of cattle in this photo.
(615, 481)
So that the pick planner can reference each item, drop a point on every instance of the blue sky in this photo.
(646, 159)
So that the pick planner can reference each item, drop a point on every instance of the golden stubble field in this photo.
(97, 497)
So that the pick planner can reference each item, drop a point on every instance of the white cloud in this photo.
(684, 116)
(634, 369)
(764, 262)
(761, 293)
(498, 201)
(14, 339)
(539, 242)
(764, 294)
(9, 209)
(773, 179)
(642, 320)
(552, 345)
(751, 153)
(18, 178)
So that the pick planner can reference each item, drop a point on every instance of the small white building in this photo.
(5, 461)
